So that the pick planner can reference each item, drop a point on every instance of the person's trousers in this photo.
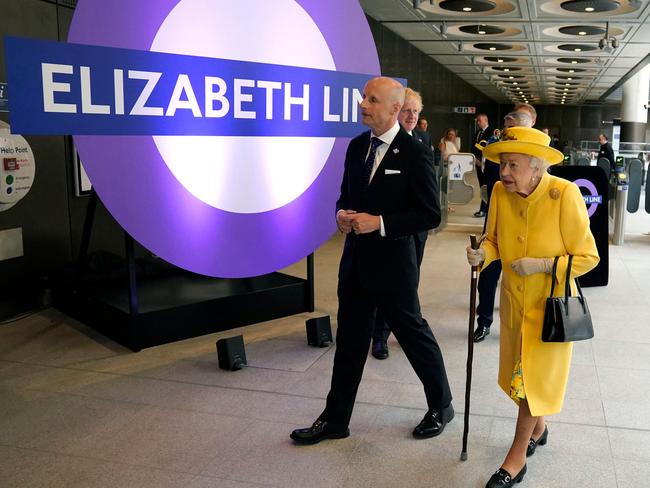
(381, 331)
(355, 322)
(487, 289)
(481, 181)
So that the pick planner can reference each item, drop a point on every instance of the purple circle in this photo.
(592, 191)
(147, 200)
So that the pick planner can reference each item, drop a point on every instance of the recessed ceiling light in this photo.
(574, 62)
(566, 89)
(582, 33)
(572, 71)
(569, 78)
(492, 48)
(499, 60)
(567, 84)
(468, 5)
(515, 83)
(510, 77)
(469, 9)
(587, 9)
(481, 32)
(506, 69)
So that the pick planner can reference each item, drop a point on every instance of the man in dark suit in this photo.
(523, 116)
(606, 151)
(388, 194)
(483, 133)
(407, 118)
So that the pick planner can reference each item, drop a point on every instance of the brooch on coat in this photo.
(554, 193)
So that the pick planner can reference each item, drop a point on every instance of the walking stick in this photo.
(470, 347)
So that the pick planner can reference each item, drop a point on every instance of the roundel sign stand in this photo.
(213, 131)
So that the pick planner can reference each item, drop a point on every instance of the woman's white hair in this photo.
(540, 163)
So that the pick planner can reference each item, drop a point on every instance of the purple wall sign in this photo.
(245, 192)
(592, 199)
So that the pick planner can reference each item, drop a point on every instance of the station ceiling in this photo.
(540, 51)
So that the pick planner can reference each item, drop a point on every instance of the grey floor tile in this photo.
(632, 474)
(278, 461)
(614, 354)
(282, 354)
(631, 445)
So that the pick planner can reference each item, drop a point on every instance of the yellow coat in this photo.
(551, 221)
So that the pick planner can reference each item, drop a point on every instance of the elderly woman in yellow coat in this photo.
(533, 217)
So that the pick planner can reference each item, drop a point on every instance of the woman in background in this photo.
(447, 144)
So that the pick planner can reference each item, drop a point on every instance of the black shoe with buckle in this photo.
(380, 349)
(481, 333)
(503, 479)
(479, 214)
(532, 444)
(434, 423)
(319, 431)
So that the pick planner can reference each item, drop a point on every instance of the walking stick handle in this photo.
(474, 243)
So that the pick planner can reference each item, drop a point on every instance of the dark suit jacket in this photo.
(423, 137)
(407, 200)
(607, 152)
(487, 133)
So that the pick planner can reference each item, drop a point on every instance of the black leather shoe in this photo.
(502, 479)
(433, 423)
(479, 214)
(319, 431)
(481, 333)
(532, 444)
(380, 349)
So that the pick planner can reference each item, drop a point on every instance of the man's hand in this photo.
(529, 266)
(363, 223)
(344, 220)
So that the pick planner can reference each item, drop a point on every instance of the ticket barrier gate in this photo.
(454, 188)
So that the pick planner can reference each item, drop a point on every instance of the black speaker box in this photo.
(319, 331)
(231, 353)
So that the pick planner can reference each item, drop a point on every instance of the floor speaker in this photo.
(231, 353)
(319, 331)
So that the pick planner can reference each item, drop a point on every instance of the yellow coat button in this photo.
(521, 213)
(520, 288)
(521, 238)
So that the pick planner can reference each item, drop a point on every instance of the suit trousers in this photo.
(487, 288)
(355, 323)
(381, 331)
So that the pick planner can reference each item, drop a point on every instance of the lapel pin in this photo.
(395, 151)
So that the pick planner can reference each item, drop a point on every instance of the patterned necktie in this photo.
(375, 142)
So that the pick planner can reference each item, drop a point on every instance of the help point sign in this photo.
(213, 131)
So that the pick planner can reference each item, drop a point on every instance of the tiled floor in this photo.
(77, 410)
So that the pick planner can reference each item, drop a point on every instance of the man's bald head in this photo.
(383, 98)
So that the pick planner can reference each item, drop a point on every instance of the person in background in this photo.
(407, 118)
(423, 124)
(555, 142)
(533, 218)
(447, 144)
(545, 130)
(527, 108)
(606, 151)
(483, 133)
(388, 194)
(489, 278)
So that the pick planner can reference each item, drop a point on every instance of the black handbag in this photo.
(567, 318)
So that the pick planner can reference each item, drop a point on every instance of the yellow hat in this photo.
(523, 140)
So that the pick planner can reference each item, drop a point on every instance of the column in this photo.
(634, 113)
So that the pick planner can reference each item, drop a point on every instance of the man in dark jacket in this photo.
(388, 194)
(606, 151)
(483, 133)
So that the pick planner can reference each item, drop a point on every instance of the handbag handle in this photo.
(567, 281)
